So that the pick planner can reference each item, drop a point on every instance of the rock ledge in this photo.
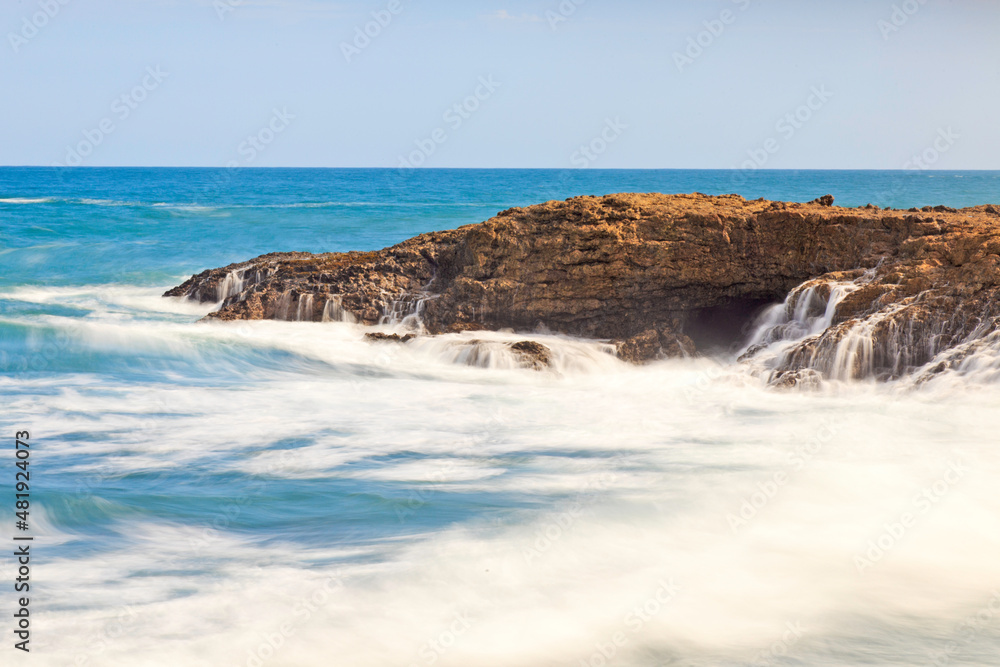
(663, 275)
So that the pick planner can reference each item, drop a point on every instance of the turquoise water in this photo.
(279, 493)
(152, 226)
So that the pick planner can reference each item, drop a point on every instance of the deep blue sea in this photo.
(286, 493)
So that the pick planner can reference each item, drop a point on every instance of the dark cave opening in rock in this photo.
(726, 327)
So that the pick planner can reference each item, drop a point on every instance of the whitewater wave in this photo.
(102, 202)
(105, 299)
(494, 351)
(610, 506)
(25, 200)
(186, 207)
(274, 493)
(121, 312)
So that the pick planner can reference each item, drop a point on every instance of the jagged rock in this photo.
(390, 338)
(659, 275)
(805, 378)
(652, 344)
(825, 200)
(533, 354)
(638, 348)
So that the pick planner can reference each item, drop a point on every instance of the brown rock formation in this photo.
(533, 355)
(379, 337)
(660, 275)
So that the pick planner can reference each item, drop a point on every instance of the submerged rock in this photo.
(805, 378)
(663, 275)
(533, 355)
(390, 338)
(653, 344)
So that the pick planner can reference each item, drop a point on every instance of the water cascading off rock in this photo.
(896, 288)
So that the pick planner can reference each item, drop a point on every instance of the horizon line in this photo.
(415, 169)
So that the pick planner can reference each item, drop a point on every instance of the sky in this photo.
(789, 84)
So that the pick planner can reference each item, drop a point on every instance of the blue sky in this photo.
(545, 83)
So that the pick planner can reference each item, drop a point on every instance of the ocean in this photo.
(288, 494)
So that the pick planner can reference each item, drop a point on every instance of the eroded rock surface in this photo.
(533, 354)
(662, 275)
(379, 337)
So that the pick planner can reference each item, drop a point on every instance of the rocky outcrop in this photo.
(380, 337)
(664, 275)
(532, 354)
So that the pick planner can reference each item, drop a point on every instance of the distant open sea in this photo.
(287, 494)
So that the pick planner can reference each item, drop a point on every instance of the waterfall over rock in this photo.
(857, 292)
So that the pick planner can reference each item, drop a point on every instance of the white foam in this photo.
(491, 350)
(538, 510)
(109, 299)
(105, 202)
(26, 200)
(555, 583)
